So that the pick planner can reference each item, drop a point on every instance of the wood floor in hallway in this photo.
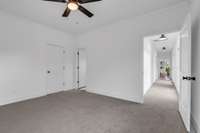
(82, 112)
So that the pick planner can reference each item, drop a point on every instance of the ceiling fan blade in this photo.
(87, 1)
(61, 1)
(67, 12)
(85, 11)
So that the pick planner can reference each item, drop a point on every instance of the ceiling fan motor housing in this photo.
(73, 5)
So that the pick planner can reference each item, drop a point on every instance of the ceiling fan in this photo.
(73, 5)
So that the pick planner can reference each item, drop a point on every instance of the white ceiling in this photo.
(106, 11)
(169, 43)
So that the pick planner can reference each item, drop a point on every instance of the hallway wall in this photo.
(176, 64)
(195, 10)
(150, 64)
(147, 66)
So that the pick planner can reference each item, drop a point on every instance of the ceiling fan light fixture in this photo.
(72, 6)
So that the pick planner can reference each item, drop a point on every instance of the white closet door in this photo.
(55, 69)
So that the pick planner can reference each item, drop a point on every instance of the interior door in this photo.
(82, 68)
(55, 69)
(185, 88)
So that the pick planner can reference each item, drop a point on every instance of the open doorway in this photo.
(167, 71)
(161, 59)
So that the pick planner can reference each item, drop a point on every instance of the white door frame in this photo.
(185, 71)
(81, 68)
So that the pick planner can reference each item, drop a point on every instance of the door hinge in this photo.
(78, 82)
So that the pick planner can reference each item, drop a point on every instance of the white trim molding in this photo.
(195, 125)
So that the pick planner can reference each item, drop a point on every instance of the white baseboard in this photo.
(25, 98)
(116, 97)
(21, 99)
(195, 125)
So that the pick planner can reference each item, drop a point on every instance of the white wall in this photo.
(150, 65)
(115, 52)
(147, 72)
(155, 67)
(195, 10)
(22, 58)
(176, 64)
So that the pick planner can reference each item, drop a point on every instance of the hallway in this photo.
(162, 95)
(162, 98)
(83, 112)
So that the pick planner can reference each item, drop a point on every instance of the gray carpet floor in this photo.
(82, 112)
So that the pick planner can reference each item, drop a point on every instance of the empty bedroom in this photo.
(99, 66)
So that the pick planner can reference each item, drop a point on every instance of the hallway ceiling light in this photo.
(162, 38)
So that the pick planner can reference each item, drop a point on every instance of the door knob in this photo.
(192, 78)
(48, 72)
(189, 78)
(185, 78)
